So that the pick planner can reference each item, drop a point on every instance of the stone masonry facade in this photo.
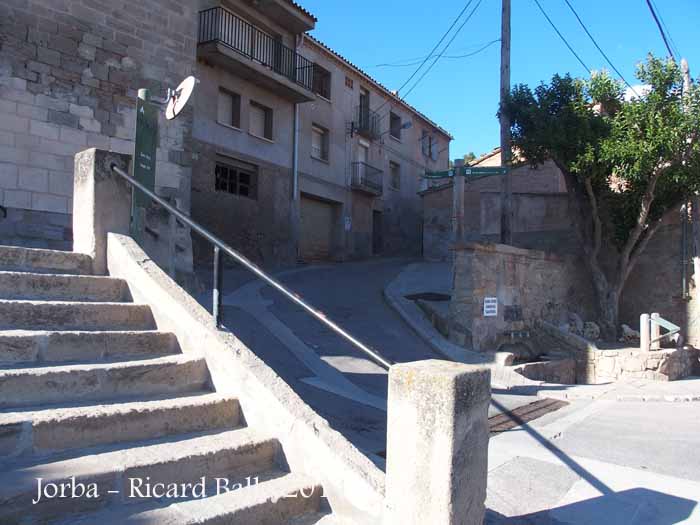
(69, 73)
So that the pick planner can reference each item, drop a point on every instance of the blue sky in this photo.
(462, 94)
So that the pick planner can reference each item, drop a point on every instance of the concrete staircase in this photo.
(91, 390)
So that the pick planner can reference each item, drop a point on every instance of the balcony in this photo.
(366, 122)
(366, 178)
(233, 44)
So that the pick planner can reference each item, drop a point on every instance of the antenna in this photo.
(177, 99)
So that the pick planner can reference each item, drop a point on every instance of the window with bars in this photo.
(237, 178)
(260, 120)
(322, 82)
(229, 108)
(319, 142)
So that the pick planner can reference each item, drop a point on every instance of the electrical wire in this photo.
(661, 29)
(668, 32)
(588, 69)
(599, 48)
(454, 23)
(466, 55)
(444, 50)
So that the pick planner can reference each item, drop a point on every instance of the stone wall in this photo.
(529, 285)
(69, 71)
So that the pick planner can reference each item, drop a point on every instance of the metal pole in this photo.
(217, 285)
(644, 334)
(253, 268)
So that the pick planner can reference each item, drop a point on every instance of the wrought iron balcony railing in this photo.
(367, 122)
(222, 26)
(367, 178)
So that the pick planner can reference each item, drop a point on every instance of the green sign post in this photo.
(467, 171)
(144, 165)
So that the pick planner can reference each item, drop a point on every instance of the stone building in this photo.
(542, 222)
(69, 71)
(287, 151)
(300, 154)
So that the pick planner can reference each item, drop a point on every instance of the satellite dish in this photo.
(177, 99)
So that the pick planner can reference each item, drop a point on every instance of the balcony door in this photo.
(364, 109)
(362, 160)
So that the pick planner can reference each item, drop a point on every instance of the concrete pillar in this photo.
(458, 203)
(101, 203)
(644, 333)
(654, 332)
(437, 443)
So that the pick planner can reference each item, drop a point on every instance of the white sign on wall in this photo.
(490, 306)
(348, 223)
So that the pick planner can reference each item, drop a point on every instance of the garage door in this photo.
(316, 229)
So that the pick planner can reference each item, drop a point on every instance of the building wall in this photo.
(69, 71)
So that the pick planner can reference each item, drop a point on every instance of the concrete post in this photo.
(437, 443)
(458, 203)
(101, 203)
(644, 333)
(654, 332)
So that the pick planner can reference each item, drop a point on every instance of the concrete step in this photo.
(99, 382)
(13, 258)
(276, 501)
(132, 473)
(21, 347)
(316, 518)
(58, 287)
(48, 430)
(55, 315)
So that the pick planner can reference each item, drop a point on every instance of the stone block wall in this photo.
(69, 72)
(529, 285)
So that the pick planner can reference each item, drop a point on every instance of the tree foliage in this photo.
(627, 161)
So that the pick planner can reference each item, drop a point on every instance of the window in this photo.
(425, 143)
(395, 125)
(237, 178)
(260, 120)
(319, 142)
(229, 110)
(395, 175)
(349, 83)
(322, 82)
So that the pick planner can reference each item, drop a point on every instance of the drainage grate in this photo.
(523, 414)
(429, 296)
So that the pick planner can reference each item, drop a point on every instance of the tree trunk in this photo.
(608, 312)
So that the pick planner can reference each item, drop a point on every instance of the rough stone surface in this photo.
(69, 71)
(437, 443)
(529, 285)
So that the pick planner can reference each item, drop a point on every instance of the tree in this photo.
(469, 158)
(628, 162)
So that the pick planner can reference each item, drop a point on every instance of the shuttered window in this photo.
(260, 120)
(319, 142)
(229, 108)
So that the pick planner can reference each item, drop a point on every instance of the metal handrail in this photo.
(219, 245)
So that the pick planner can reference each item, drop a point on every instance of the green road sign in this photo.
(468, 171)
(144, 165)
(439, 174)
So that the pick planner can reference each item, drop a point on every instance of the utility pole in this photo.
(694, 204)
(506, 186)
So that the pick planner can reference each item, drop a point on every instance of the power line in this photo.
(444, 50)
(454, 23)
(598, 47)
(668, 32)
(466, 55)
(661, 29)
(562, 37)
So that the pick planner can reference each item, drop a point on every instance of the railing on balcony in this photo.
(367, 122)
(220, 25)
(367, 178)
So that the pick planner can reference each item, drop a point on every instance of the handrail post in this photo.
(655, 332)
(644, 333)
(216, 293)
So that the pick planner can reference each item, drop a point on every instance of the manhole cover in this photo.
(523, 414)
(429, 296)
